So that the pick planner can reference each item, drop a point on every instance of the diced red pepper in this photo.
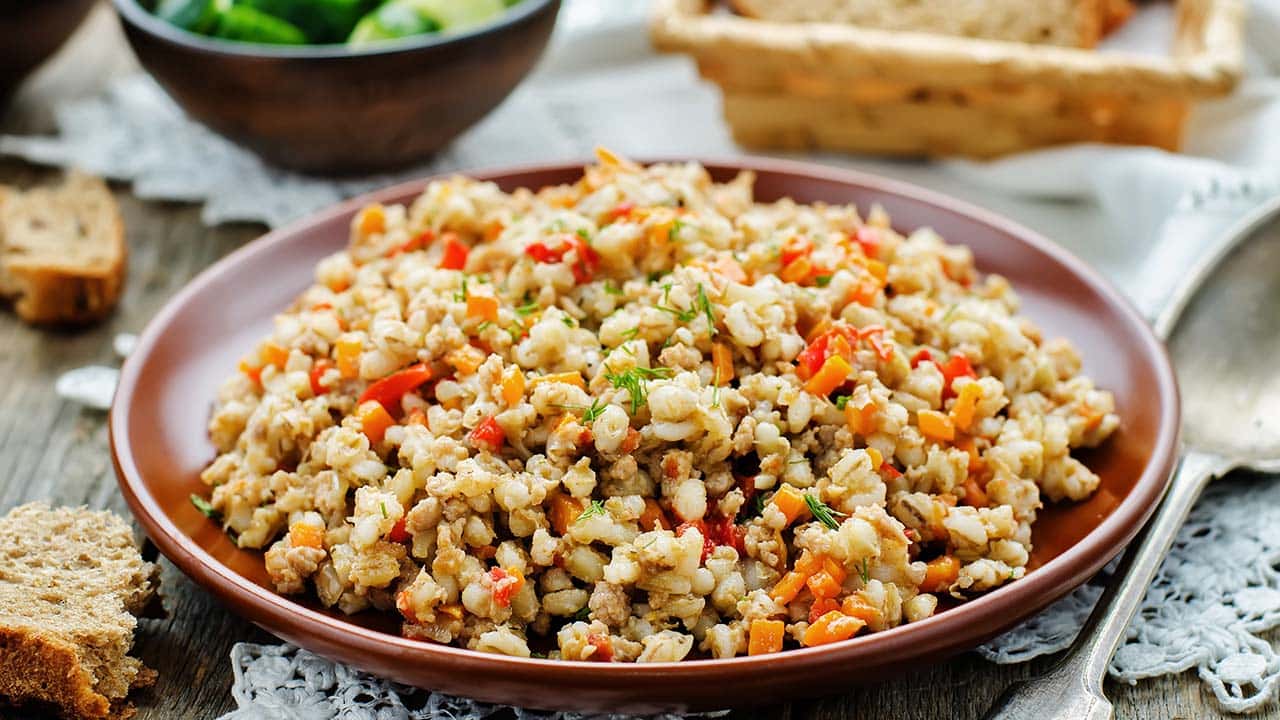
(716, 532)
(957, 366)
(417, 242)
(603, 646)
(391, 388)
(874, 334)
(922, 355)
(505, 584)
(318, 369)
(795, 248)
(870, 240)
(588, 259)
(622, 210)
(398, 534)
(455, 253)
(887, 468)
(488, 434)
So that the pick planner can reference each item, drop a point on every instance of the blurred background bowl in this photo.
(30, 32)
(333, 110)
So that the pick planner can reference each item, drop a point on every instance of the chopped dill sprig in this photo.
(822, 512)
(865, 572)
(528, 308)
(205, 507)
(595, 509)
(701, 306)
(633, 381)
(597, 408)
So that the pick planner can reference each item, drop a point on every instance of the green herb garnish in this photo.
(822, 512)
(633, 381)
(582, 233)
(528, 308)
(583, 614)
(484, 326)
(383, 505)
(674, 230)
(865, 572)
(205, 508)
(630, 334)
(461, 295)
(822, 280)
(701, 305)
(596, 508)
(842, 401)
(612, 289)
(596, 410)
(568, 321)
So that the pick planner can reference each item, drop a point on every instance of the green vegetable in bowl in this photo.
(297, 22)
(405, 18)
(243, 23)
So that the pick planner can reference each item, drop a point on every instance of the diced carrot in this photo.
(306, 535)
(512, 386)
(631, 442)
(832, 567)
(466, 359)
(940, 573)
(822, 585)
(966, 405)
(570, 378)
(861, 418)
(831, 376)
(974, 495)
(797, 271)
(832, 627)
(374, 420)
(808, 563)
(788, 587)
(653, 516)
(371, 219)
(936, 426)
(965, 443)
(347, 352)
(565, 510)
(822, 606)
(483, 307)
(857, 607)
(864, 292)
(273, 354)
(789, 501)
(722, 361)
(765, 637)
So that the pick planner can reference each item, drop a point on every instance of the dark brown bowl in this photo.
(329, 109)
(159, 444)
(30, 32)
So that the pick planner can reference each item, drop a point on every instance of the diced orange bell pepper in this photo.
(966, 405)
(347, 352)
(765, 636)
(861, 418)
(788, 587)
(832, 567)
(831, 376)
(974, 495)
(466, 359)
(306, 535)
(273, 354)
(371, 219)
(936, 426)
(565, 510)
(789, 501)
(808, 563)
(374, 420)
(722, 361)
(653, 516)
(832, 627)
(483, 307)
(797, 271)
(876, 458)
(512, 386)
(940, 573)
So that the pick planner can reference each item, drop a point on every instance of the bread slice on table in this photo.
(72, 583)
(1071, 23)
(62, 251)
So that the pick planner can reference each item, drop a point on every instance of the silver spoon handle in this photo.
(1072, 690)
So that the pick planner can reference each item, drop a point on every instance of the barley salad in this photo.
(646, 418)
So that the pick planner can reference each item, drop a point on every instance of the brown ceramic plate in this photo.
(167, 386)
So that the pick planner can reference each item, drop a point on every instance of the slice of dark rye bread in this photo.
(72, 584)
(62, 251)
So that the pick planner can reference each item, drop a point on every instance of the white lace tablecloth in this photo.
(1139, 215)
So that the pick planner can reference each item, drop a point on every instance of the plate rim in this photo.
(1060, 575)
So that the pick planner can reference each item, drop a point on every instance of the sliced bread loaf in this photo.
(62, 251)
(72, 583)
(1073, 23)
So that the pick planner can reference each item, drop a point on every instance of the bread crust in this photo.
(63, 291)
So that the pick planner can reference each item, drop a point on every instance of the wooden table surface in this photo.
(57, 451)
